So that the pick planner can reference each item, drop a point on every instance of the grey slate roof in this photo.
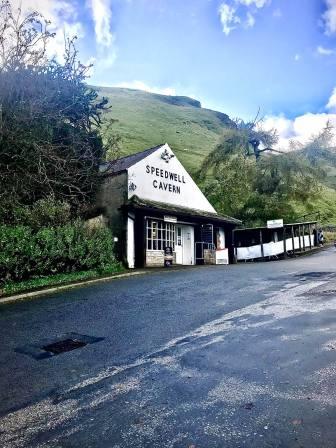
(138, 203)
(122, 164)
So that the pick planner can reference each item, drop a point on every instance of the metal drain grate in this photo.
(64, 346)
(58, 345)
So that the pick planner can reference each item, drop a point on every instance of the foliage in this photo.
(230, 184)
(238, 140)
(318, 147)
(11, 287)
(44, 212)
(26, 252)
(257, 189)
(49, 117)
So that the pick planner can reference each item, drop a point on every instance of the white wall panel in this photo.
(168, 182)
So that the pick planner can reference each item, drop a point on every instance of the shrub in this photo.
(29, 253)
(44, 212)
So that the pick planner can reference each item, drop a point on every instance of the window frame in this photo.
(159, 235)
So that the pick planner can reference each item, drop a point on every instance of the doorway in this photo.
(184, 245)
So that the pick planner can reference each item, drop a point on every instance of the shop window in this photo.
(160, 235)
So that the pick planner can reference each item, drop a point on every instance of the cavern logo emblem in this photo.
(166, 156)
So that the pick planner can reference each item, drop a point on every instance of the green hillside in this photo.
(145, 119)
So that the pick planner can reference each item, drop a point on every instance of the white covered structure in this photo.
(264, 242)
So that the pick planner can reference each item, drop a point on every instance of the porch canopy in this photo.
(188, 213)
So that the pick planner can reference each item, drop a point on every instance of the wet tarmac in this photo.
(218, 356)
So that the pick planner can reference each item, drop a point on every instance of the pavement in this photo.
(220, 356)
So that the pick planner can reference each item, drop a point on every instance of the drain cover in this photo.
(56, 346)
(64, 346)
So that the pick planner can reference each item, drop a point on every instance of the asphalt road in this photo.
(219, 356)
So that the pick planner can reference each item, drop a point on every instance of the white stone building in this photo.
(153, 206)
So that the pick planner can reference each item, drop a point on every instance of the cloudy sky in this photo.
(233, 55)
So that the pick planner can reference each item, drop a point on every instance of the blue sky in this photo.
(233, 55)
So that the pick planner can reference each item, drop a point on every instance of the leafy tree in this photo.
(244, 139)
(49, 118)
(319, 147)
(230, 184)
(256, 189)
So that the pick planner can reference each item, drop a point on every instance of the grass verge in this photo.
(32, 284)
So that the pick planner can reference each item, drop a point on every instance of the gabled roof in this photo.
(136, 203)
(122, 164)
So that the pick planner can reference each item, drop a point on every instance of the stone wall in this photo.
(155, 258)
(112, 196)
(209, 256)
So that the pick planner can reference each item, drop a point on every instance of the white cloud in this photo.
(324, 51)
(283, 125)
(300, 129)
(231, 13)
(63, 17)
(331, 105)
(140, 85)
(105, 39)
(256, 3)
(228, 18)
(68, 30)
(329, 17)
(250, 20)
(50, 9)
(102, 15)
(297, 57)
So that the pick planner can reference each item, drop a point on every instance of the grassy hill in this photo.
(144, 119)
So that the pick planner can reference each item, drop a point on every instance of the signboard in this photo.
(168, 251)
(167, 218)
(222, 256)
(168, 256)
(274, 223)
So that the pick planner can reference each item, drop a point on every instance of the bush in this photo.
(44, 212)
(28, 253)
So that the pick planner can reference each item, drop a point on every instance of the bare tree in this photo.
(23, 39)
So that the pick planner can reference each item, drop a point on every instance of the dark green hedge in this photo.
(27, 253)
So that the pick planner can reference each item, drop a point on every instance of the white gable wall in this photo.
(154, 179)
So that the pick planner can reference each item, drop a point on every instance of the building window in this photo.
(160, 235)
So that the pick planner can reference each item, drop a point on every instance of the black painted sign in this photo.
(167, 176)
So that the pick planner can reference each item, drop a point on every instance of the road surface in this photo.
(218, 356)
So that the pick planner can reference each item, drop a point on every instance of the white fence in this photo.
(273, 249)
